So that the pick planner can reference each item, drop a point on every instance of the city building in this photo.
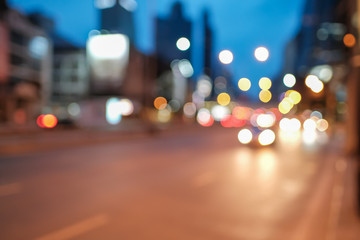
(26, 69)
(208, 45)
(173, 37)
(117, 17)
(318, 50)
(173, 52)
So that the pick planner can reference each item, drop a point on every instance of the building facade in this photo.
(26, 69)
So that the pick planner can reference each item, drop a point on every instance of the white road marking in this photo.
(10, 189)
(77, 228)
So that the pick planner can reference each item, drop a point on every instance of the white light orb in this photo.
(261, 54)
(183, 44)
(289, 80)
(226, 57)
(245, 136)
(266, 137)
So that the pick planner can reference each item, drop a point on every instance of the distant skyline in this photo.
(239, 26)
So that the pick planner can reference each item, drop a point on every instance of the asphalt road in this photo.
(195, 184)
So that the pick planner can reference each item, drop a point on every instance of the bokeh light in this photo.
(226, 57)
(113, 111)
(265, 83)
(108, 46)
(164, 115)
(266, 137)
(309, 125)
(39, 121)
(189, 109)
(185, 68)
(245, 136)
(175, 105)
(295, 96)
(349, 40)
(183, 44)
(314, 83)
(49, 121)
(223, 99)
(290, 125)
(316, 114)
(309, 137)
(219, 112)
(322, 125)
(244, 84)
(289, 80)
(204, 118)
(261, 54)
(285, 105)
(126, 107)
(265, 96)
(204, 86)
(266, 120)
(74, 109)
(160, 103)
(323, 72)
(242, 113)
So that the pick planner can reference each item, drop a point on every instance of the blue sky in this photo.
(240, 25)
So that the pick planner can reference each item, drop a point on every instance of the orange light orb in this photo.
(349, 40)
(49, 121)
(160, 103)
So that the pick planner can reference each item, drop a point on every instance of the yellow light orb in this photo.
(286, 105)
(244, 84)
(265, 83)
(295, 97)
(223, 99)
(265, 96)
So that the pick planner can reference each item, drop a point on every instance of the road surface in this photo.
(196, 184)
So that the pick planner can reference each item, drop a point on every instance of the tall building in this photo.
(117, 17)
(320, 38)
(169, 31)
(173, 52)
(318, 49)
(208, 45)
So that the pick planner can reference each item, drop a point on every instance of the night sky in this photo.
(239, 25)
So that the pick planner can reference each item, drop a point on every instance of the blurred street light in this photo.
(289, 80)
(183, 44)
(261, 54)
(226, 57)
(244, 84)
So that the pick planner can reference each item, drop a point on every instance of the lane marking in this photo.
(77, 228)
(10, 189)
